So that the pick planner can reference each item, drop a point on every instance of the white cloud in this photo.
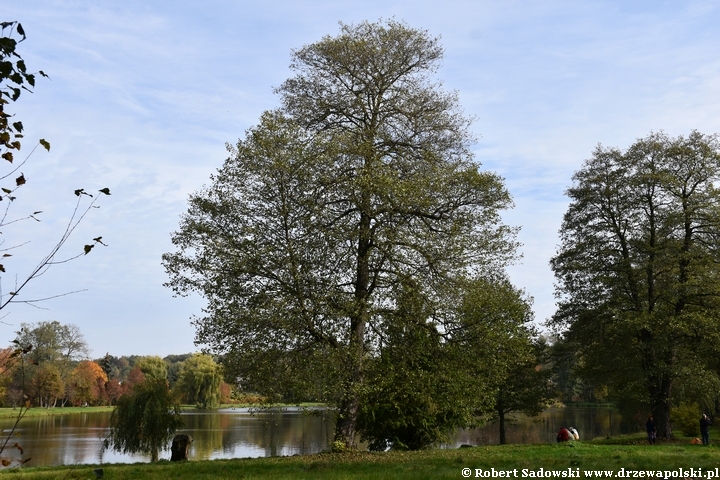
(143, 96)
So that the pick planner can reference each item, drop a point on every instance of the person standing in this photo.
(705, 429)
(651, 430)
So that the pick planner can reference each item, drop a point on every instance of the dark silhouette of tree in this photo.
(638, 283)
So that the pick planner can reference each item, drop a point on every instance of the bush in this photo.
(686, 417)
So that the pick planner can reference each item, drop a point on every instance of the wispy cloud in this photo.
(143, 96)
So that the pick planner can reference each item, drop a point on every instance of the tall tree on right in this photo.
(638, 284)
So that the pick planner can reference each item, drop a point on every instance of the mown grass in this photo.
(42, 412)
(428, 464)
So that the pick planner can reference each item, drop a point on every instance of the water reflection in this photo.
(227, 433)
(591, 422)
(236, 433)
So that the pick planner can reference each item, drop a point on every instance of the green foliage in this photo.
(426, 382)
(106, 364)
(686, 417)
(637, 270)
(144, 420)
(200, 380)
(47, 344)
(339, 446)
(46, 384)
(53, 342)
(526, 387)
(362, 179)
(417, 391)
(153, 367)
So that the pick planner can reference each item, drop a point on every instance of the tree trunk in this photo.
(500, 408)
(345, 429)
(503, 441)
(347, 420)
(154, 455)
(661, 406)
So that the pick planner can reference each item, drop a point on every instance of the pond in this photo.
(237, 433)
(226, 433)
(590, 421)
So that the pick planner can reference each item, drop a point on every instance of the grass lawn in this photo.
(576, 458)
(42, 412)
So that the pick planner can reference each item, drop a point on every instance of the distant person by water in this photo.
(651, 430)
(705, 429)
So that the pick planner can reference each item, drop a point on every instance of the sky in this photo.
(143, 96)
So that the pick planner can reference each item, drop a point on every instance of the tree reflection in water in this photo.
(590, 421)
(225, 433)
(236, 433)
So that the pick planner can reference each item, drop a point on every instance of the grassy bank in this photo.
(42, 412)
(430, 464)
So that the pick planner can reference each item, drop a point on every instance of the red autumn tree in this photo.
(88, 380)
(135, 377)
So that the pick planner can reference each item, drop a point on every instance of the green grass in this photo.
(428, 464)
(268, 405)
(42, 412)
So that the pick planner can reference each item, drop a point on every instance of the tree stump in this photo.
(180, 447)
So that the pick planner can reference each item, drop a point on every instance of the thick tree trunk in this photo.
(345, 429)
(500, 408)
(660, 394)
(503, 441)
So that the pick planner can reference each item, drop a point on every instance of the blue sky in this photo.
(143, 96)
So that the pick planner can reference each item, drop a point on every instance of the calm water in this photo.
(236, 433)
(590, 422)
(226, 433)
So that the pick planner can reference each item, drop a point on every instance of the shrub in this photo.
(686, 417)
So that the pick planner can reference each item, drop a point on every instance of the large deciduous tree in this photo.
(49, 343)
(637, 269)
(362, 180)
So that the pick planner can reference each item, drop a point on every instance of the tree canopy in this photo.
(638, 282)
(361, 181)
(199, 381)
